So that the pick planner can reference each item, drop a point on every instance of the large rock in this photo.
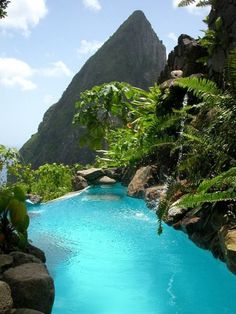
(105, 180)
(154, 194)
(134, 54)
(34, 199)
(184, 57)
(175, 213)
(91, 174)
(5, 261)
(33, 250)
(127, 175)
(228, 244)
(23, 258)
(79, 183)
(6, 302)
(114, 173)
(144, 178)
(31, 287)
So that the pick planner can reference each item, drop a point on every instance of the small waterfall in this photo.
(185, 103)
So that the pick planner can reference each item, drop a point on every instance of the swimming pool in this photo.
(105, 256)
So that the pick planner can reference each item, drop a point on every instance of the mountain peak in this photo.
(138, 14)
(133, 54)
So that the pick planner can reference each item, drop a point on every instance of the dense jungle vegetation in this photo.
(190, 124)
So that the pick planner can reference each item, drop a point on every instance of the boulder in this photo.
(183, 58)
(34, 199)
(105, 180)
(114, 173)
(175, 213)
(127, 175)
(153, 194)
(6, 302)
(227, 239)
(79, 183)
(143, 178)
(31, 287)
(5, 261)
(33, 250)
(190, 224)
(25, 311)
(23, 258)
(91, 174)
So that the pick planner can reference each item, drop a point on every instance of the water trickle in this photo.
(182, 125)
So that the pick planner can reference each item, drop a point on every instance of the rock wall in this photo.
(226, 36)
(184, 57)
(210, 229)
(25, 283)
(188, 50)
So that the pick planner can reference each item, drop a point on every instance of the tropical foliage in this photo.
(52, 181)
(14, 220)
(3, 7)
(199, 3)
(125, 118)
(136, 124)
(49, 181)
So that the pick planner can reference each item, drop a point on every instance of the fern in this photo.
(218, 180)
(162, 209)
(203, 89)
(193, 200)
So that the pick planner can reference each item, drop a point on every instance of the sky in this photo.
(44, 43)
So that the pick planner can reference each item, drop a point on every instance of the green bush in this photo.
(52, 181)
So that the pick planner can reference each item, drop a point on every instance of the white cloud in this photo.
(14, 72)
(23, 15)
(173, 36)
(192, 8)
(94, 5)
(88, 47)
(17, 73)
(58, 69)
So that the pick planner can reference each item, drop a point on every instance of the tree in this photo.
(3, 6)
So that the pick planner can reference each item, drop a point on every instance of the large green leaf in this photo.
(5, 197)
(18, 213)
(19, 194)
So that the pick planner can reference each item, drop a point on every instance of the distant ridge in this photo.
(134, 54)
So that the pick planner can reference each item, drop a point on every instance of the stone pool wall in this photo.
(25, 284)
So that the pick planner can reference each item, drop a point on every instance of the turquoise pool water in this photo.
(106, 258)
